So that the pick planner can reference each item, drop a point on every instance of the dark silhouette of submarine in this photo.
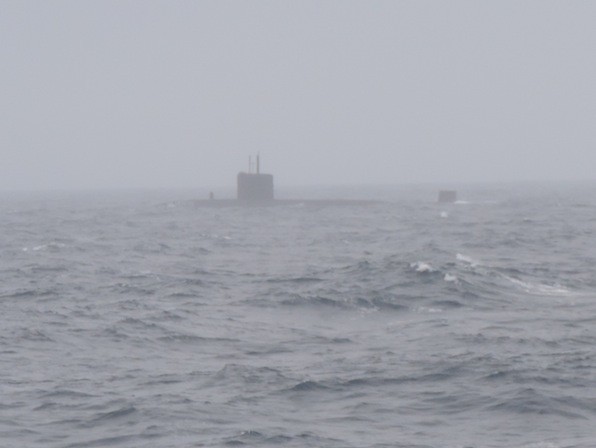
(256, 189)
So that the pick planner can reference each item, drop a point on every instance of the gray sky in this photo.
(177, 93)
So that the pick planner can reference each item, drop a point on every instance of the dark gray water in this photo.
(138, 320)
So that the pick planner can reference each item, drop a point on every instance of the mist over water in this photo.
(140, 320)
(147, 93)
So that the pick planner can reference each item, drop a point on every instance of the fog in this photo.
(119, 94)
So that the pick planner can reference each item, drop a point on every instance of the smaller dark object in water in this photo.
(447, 196)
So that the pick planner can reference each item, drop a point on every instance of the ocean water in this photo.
(136, 319)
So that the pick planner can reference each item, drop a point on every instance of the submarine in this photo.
(254, 188)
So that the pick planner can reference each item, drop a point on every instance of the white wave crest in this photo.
(450, 278)
(540, 289)
(427, 310)
(49, 246)
(421, 266)
(466, 259)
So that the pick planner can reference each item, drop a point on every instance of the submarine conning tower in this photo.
(255, 186)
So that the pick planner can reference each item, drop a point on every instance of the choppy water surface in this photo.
(134, 320)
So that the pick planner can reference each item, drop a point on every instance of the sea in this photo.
(140, 319)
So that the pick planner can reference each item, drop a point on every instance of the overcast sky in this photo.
(102, 94)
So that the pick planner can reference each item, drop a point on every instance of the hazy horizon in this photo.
(148, 94)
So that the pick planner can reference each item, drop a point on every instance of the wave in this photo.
(26, 293)
(104, 441)
(50, 247)
(466, 259)
(299, 300)
(450, 278)
(31, 334)
(66, 393)
(346, 303)
(298, 280)
(422, 267)
(308, 385)
(116, 414)
(531, 401)
(539, 289)
(192, 339)
(259, 438)
(445, 282)
(247, 378)
(376, 382)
